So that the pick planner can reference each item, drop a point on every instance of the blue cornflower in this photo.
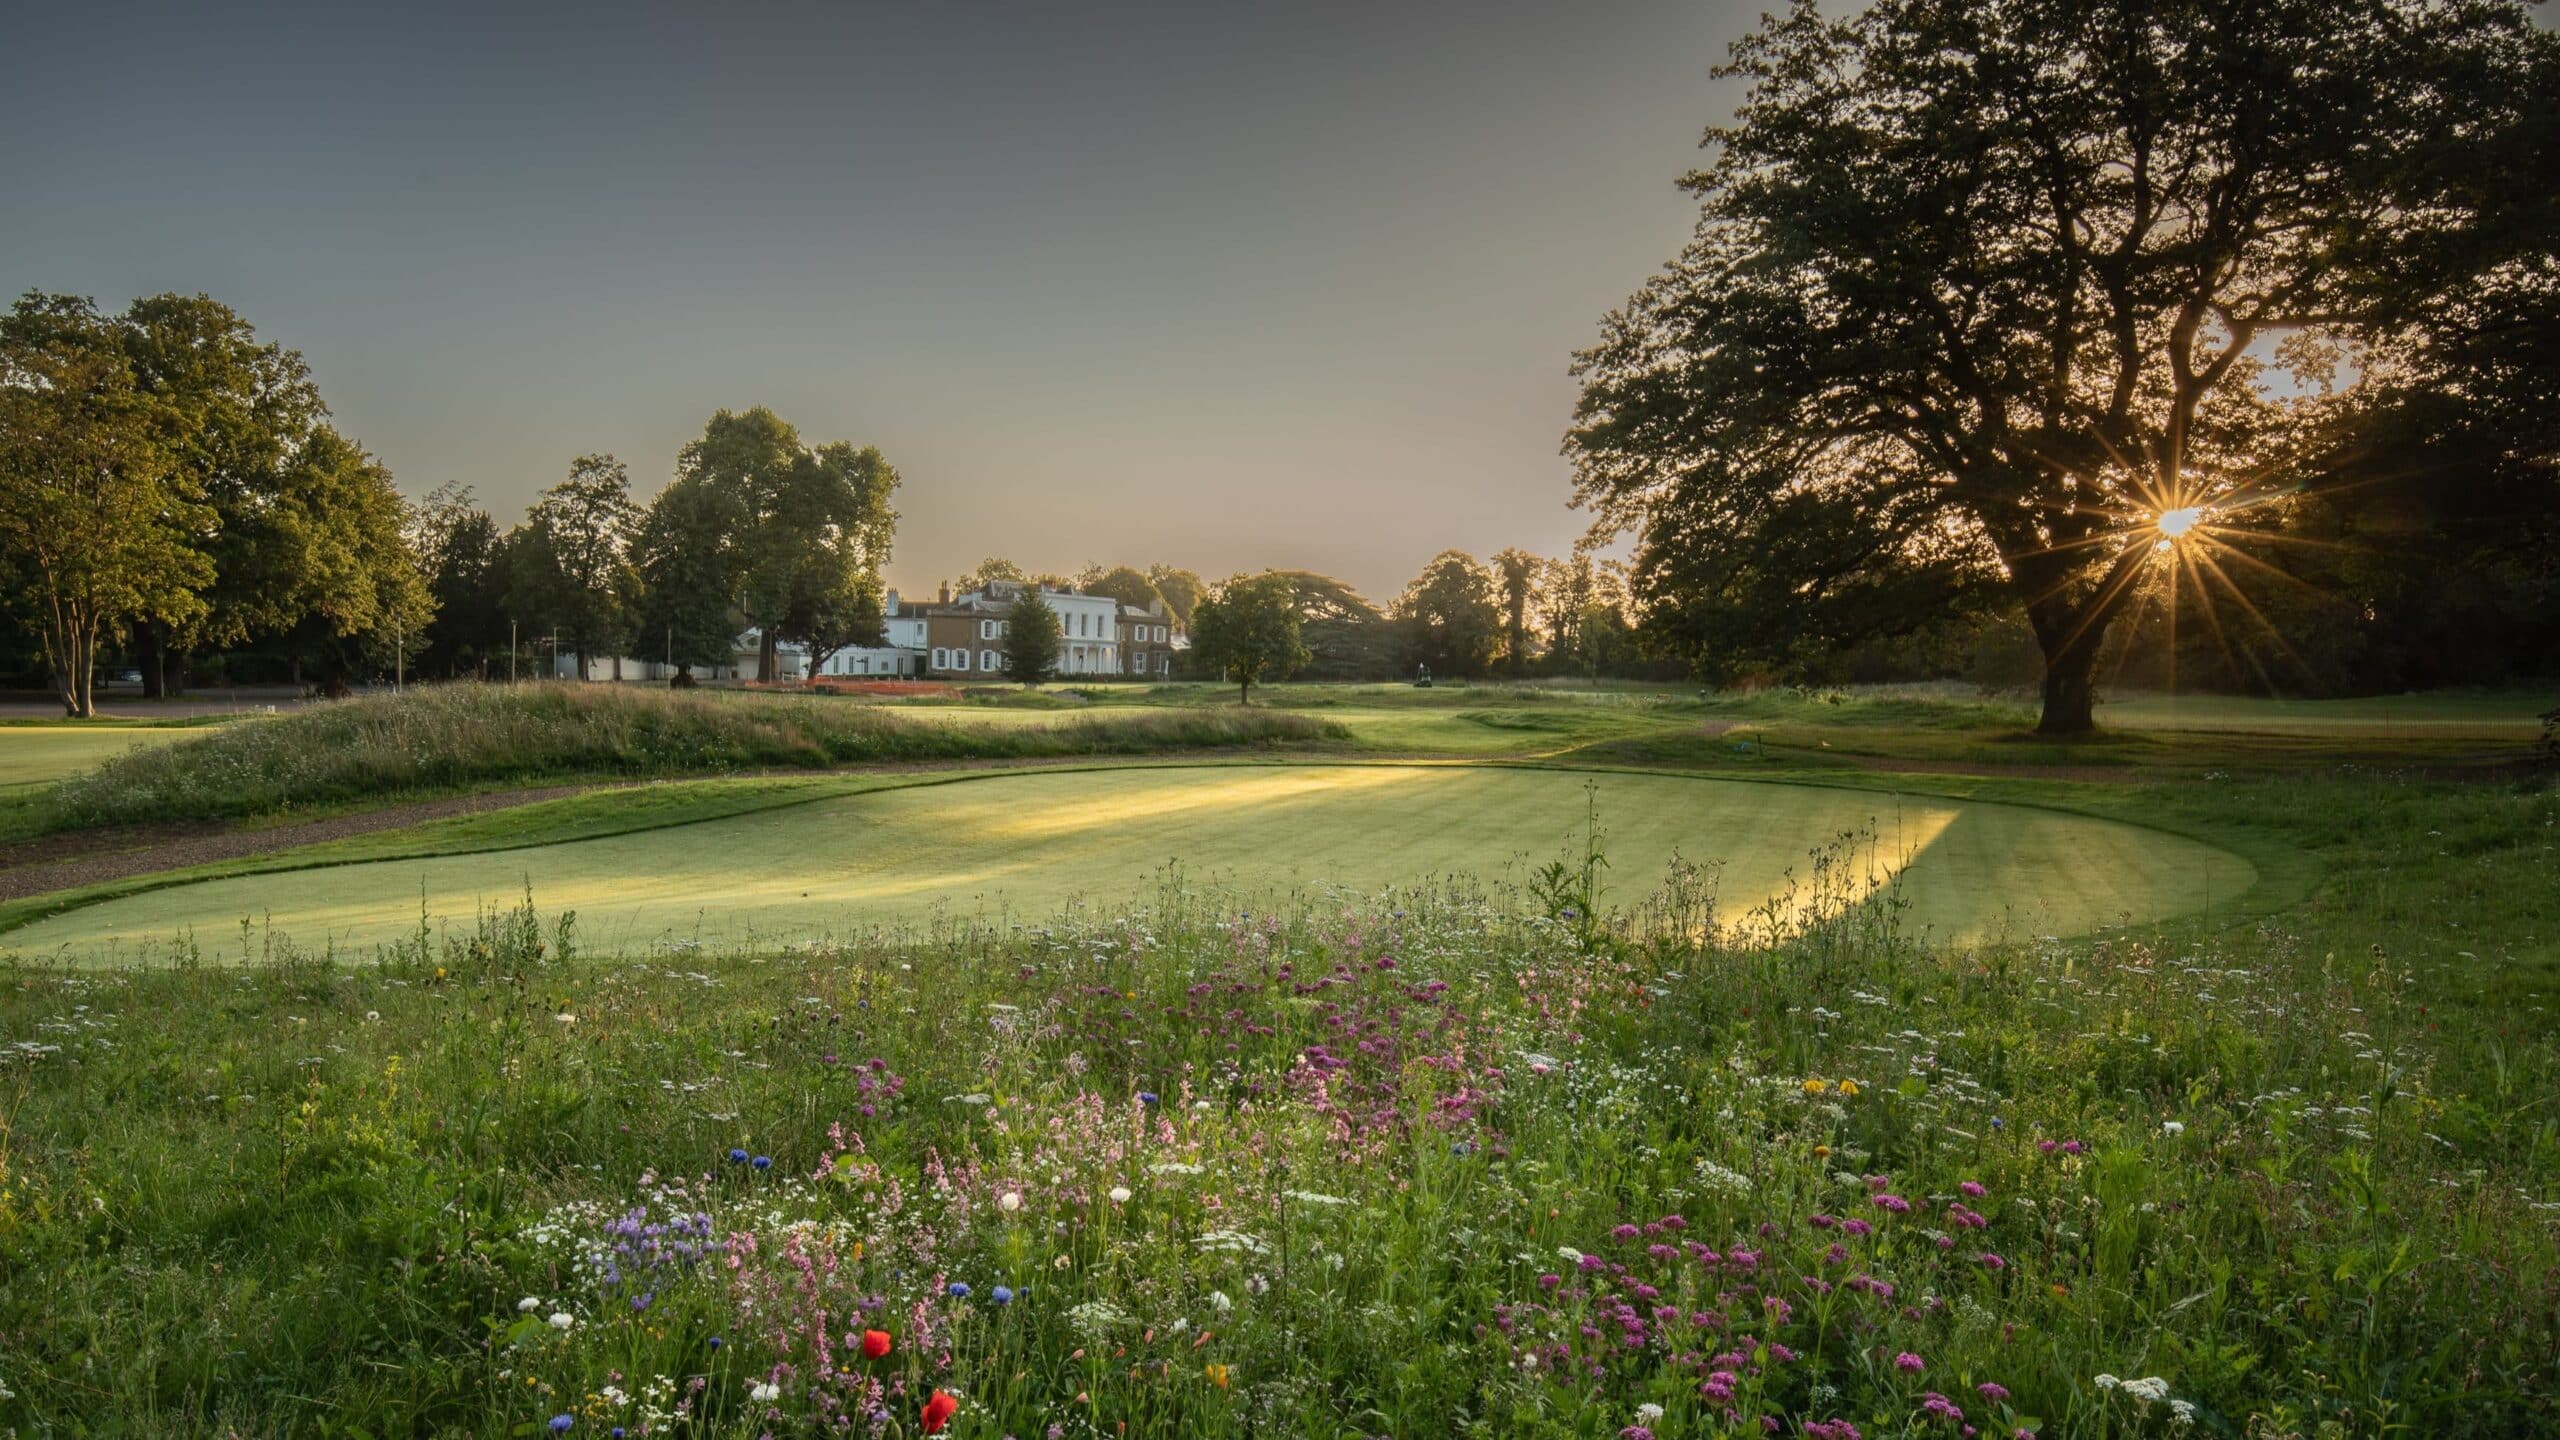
(641, 1301)
(715, 1342)
(763, 1162)
(560, 1424)
(1000, 1295)
(617, 1432)
(959, 1289)
(737, 1157)
(1995, 1123)
(1147, 1097)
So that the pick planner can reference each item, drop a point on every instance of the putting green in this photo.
(1026, 845)
(32, 754)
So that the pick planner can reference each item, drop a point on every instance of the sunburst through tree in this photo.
(1981, 299)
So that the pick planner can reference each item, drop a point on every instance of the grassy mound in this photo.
(460, 736)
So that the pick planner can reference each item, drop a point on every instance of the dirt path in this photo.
(65, 862)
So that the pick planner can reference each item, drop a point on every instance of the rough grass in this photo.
(466, 736)
(1328, 1169)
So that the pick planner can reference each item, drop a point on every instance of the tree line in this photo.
(1518, 616)
(172, 484)
(757, 530)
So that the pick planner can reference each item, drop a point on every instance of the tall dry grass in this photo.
(452, 737)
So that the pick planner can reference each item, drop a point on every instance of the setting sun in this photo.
(2175, 523)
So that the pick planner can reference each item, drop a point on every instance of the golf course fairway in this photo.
(1026, 846)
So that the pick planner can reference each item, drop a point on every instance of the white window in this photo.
(987, 660)
(941, 659)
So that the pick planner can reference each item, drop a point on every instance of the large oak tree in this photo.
(1980, 291)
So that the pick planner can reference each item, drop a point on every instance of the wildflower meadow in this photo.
(1575, 1162)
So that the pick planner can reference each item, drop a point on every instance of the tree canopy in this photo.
(1248, 632)
(1982, 290)
(1451, 622)
(1121, 583)
(812, 528)
(96, 518)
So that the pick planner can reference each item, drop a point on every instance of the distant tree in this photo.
(684, 552)
(1181, 590)
(1030, 639)
(1121, 583)
(987, 571)
(838, 513)
(1248, 632)
(1516, 571)
(342, 528)
(1564, 588)
(1347, 638)
(1978, 289)
(583, 531)
(463, 555)
(1451, 623)
(96, 521)
(813, 527)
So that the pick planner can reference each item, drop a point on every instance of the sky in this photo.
(1223, 286)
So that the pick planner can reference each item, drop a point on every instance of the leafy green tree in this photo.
(1347, 638)
(96, 521)
(987, 572)
(684, 552)
(1121, 583)
(360, 590)
(463, 554)
(1248, 632)
(749, 457)
(1451, 623)
(1977, 291)
(1181, 590)
(1030, 639)
(232, 411)
(813, 527)
(838, 515)
(582, 531)
(1517, 573)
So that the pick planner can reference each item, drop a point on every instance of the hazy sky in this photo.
(1221, 285)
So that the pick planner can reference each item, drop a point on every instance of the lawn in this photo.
(1032, 845)
(37, 754)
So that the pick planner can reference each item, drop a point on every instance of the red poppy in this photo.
(938, 1412)
(875, 1343)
